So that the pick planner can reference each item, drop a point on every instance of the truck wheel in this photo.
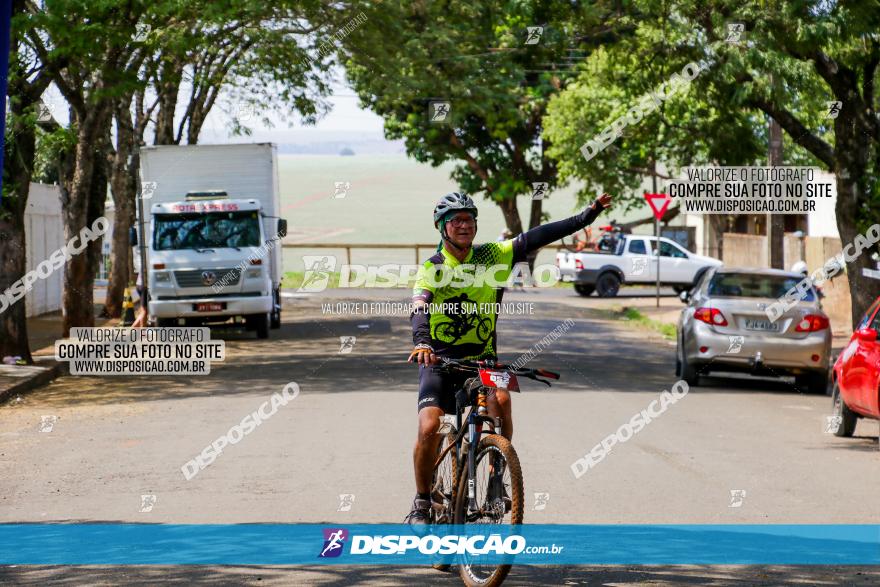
(263, 322)
(584, 290)
(276, 313)
(846, 419)
(607, 285)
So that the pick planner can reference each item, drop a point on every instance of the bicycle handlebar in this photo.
(466, 365)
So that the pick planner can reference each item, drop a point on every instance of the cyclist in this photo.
(455, 216)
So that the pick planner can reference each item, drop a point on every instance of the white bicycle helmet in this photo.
(453, 202)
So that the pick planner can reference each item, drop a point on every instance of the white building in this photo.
(44, 234)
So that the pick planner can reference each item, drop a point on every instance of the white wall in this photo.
(44, 234)
(823, 221)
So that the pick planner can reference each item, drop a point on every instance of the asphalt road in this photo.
(350, 431)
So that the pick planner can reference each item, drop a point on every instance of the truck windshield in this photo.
(206, 230)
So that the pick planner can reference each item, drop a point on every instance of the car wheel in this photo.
(687, 371)
(607, 285)
(845, 419)
(813, 382)
(584, 290)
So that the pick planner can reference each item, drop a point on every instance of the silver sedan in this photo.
(725, 327)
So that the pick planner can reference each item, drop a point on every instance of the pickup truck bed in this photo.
(633, 262)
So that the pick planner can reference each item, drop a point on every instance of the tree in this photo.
(131, 115)
(28, 79)
(480, 59)
(251, 50)
(248, 51)
(794, 58)
(101, 58)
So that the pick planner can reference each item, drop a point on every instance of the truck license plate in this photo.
(210, 306)
(762, 325)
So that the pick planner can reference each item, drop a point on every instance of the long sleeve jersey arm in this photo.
(421, 319)
(545, 234)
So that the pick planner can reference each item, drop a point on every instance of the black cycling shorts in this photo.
(437, 389)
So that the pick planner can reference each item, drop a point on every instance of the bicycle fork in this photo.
(475, 426)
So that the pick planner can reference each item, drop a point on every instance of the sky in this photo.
(345, 120)
(345, 117)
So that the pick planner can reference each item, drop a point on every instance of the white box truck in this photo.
(213, 235)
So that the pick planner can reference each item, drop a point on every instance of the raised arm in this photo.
(545, 234)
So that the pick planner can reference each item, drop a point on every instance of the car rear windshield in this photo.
(206, 230)
(750, 285)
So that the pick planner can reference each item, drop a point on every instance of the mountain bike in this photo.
(477, 475)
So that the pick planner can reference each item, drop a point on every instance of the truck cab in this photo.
(210, 261)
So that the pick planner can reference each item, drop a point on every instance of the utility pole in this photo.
(656, 226)
(142, 241)
(775, 222)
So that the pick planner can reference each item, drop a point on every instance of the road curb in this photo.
(52, 371)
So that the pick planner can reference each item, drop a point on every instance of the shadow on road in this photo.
(593, 355)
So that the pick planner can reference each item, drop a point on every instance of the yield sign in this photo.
(658, 203)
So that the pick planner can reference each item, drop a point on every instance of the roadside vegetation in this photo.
(635, 318)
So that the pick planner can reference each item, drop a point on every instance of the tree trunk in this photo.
(13, 319)
(194, 128)
(123, 186)
(82, 203)
(120, 268)
(170, 76)
(535, 213)
(852, 153)
(511, 215)
(18, 165)
(863, 290)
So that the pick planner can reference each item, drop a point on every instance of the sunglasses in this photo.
(459, 222)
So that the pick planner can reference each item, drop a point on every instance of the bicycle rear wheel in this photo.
(443, 492)
(498, 489)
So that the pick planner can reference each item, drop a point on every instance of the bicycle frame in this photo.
(477, 416)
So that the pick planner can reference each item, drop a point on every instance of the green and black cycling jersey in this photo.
(464, 291)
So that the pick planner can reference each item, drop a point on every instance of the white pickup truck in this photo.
(633, 261)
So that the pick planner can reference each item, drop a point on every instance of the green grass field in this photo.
(390, 201)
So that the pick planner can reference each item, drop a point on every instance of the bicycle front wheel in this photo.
(498, 500)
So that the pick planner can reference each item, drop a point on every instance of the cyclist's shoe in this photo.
(420, 514)
(443, 567)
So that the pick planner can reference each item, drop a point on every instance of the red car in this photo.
(856, 391)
